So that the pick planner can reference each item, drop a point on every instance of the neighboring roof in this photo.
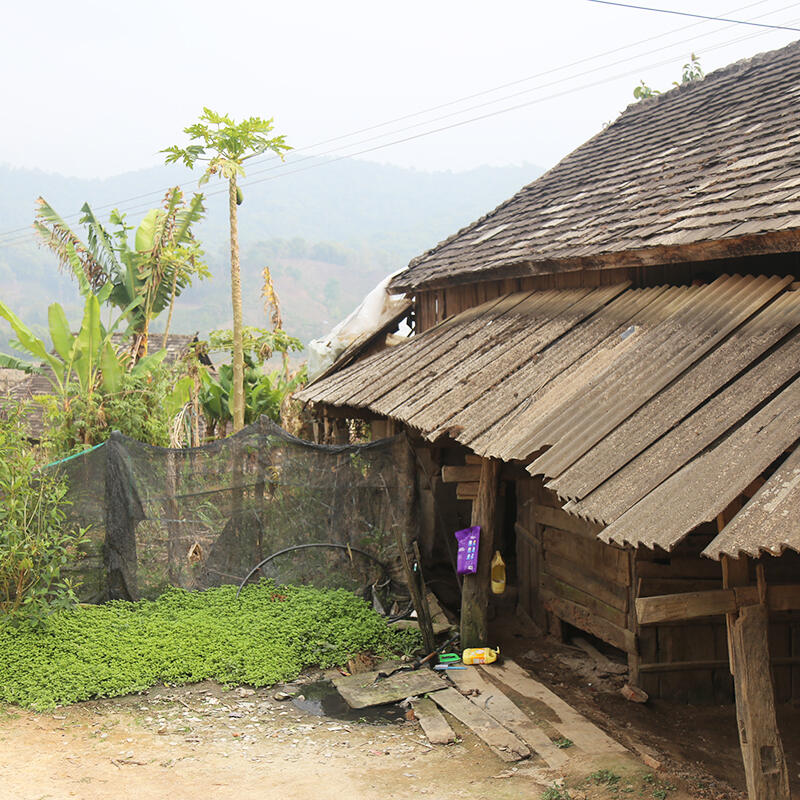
(629, 401)
(675, 177)
(39, 385)
(769, 522)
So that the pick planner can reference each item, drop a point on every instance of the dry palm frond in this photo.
(272, 305)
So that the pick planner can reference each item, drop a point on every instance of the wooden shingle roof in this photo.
(710, 169)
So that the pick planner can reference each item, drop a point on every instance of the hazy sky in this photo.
(95, 88)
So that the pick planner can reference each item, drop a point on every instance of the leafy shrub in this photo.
(269, 634)
(35, 540)
(138, 409)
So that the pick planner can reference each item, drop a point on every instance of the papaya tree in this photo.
(164, 258)
(224, 146)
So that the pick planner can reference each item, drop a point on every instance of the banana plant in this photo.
(87, 358)
(162, 262)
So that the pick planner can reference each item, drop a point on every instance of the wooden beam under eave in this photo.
(773, 242)
(475, 588)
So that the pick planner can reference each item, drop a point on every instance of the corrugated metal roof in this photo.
(769, 522)
(615, 393)
(704, 487)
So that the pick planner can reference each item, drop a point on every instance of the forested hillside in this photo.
(328, 233)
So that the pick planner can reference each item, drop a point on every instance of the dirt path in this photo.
(204, 741)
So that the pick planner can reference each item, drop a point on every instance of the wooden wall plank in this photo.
(584, 619)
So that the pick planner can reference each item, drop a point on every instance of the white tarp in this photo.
(375, 310)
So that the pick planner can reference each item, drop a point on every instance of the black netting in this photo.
(205, 516)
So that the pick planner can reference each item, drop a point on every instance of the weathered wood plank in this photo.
(361, 691)
(691, 605)
(492, 700)
(583, 618)
(475, 588)
(467, 491)
(471, 473)
(581, 598)
(502, 741)
(762, 749)
(584, 734)
(604, 560)
(436, 727)
(687, 605)
(558, 518)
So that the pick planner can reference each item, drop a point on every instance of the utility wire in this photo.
(696, 16)
(285, 171)
(572, 90)
(159, 192)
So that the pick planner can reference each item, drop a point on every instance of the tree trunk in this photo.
(171, 308)
(236, 300)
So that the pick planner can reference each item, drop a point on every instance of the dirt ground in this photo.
(206, 741)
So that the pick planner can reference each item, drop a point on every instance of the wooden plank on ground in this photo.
(492, 700)
(361, 691)
(581, 617)
(584, 734)
(501, 740)
(436, 727)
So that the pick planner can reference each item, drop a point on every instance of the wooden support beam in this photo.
(467, 491)
(691, 605)
(475, 589)
(563, 520)
(762, 750)
(467, 474)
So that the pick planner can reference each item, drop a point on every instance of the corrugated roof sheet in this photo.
(709, 161)
(769, 522)
(629, 401)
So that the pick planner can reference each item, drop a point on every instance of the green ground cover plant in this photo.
(270, 634)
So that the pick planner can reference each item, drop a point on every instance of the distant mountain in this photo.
(329, 231)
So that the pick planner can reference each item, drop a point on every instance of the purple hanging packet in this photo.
(467, 557)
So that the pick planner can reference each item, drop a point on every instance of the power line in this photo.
(696, 16)
(572, 90)
(284, 171)
(450, 103)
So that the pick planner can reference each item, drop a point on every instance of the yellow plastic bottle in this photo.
(479, 655)
(498, 574)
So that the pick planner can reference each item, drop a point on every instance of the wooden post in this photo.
(748, 653)
(762, 750)
(475, 590)
(404, 534)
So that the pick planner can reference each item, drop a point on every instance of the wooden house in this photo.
(608, 366)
